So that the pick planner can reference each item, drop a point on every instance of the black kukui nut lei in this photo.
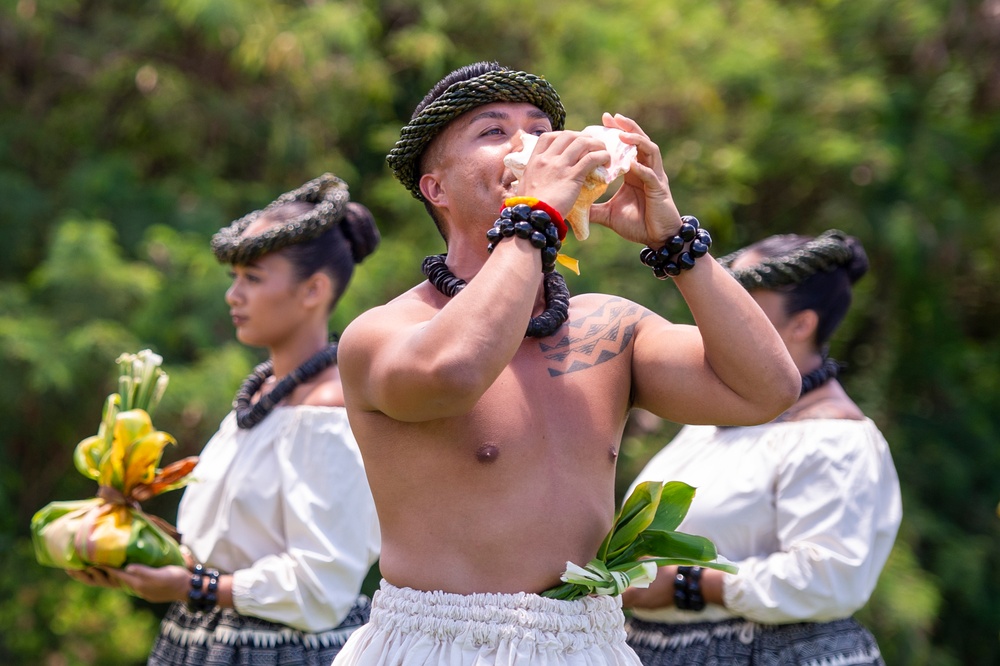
(821, 375)
(248, 415)
(679, 253)
(556, 295)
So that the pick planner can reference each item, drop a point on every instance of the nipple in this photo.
(487, 453)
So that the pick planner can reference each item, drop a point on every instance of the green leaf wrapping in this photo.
(55, 535)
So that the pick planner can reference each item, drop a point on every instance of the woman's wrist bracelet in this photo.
(200, 597)
(533, 222)
(691, 242)
(687, 589)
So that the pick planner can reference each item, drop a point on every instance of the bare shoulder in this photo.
(593, 315)
(830, 401)
(412, 306)
(323, 390)
(586, 308)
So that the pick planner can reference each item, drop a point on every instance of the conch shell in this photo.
(597, 180)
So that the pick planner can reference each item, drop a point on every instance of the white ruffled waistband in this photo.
(488, 619)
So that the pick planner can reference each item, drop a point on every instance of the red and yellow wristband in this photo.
(534, 203)
(557, 219)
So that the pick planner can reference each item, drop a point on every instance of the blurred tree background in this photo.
(131, 131)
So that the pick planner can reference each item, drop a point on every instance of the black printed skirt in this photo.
(738, 642)
(223, 637)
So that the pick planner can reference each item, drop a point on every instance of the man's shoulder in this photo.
(593, 301)
(410, 307)
(415, 300)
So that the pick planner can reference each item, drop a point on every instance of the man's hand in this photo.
(642, 209)
(558, 167)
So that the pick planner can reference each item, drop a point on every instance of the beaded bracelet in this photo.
(532, 222)
(538, 204)
(687, 589)
(203, 600)
(691, 242)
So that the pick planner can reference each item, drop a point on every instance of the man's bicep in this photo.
(384, 368)
(369, 354)
(672, 377)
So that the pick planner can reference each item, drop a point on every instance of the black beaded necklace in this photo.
(821, 375)
(248, 415)
(556, 295)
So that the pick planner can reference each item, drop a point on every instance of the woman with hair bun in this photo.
(807, 506)
(279, 524)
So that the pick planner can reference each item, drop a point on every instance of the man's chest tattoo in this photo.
(595, 338)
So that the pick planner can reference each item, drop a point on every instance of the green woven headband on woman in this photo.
(826, 252)
(503, 85)
(328, 192)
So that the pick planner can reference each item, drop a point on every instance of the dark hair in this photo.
(336, 250)
(826, 291)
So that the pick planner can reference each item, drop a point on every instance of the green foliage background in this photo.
(130, 131)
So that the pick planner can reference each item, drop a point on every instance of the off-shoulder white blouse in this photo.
(285, 508)
(808, 510)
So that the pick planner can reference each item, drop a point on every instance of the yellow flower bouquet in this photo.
(123, 457)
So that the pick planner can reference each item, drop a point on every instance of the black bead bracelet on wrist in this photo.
(532, 224)
(200, 597)
(687, 589)
(690, 243)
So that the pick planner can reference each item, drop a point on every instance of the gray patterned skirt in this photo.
(739, 642)
(223, 637)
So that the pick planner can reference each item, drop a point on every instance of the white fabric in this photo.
(286, 508)
(411, 628)
(808, 510)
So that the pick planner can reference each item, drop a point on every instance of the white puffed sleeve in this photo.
(327, 518)
(838, 508)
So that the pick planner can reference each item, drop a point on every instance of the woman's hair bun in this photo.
(358, 227)
(858, 265)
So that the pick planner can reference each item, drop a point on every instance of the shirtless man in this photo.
(491, 455)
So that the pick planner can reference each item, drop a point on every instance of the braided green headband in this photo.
(826, 252)
(502, 85)
(328, 192)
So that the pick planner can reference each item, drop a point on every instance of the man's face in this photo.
(465, 162)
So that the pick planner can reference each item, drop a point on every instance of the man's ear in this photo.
(433, 190)
(802, 325)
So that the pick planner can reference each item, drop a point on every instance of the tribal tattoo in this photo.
(595, 338)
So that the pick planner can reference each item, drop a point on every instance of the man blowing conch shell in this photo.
(491, 453)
